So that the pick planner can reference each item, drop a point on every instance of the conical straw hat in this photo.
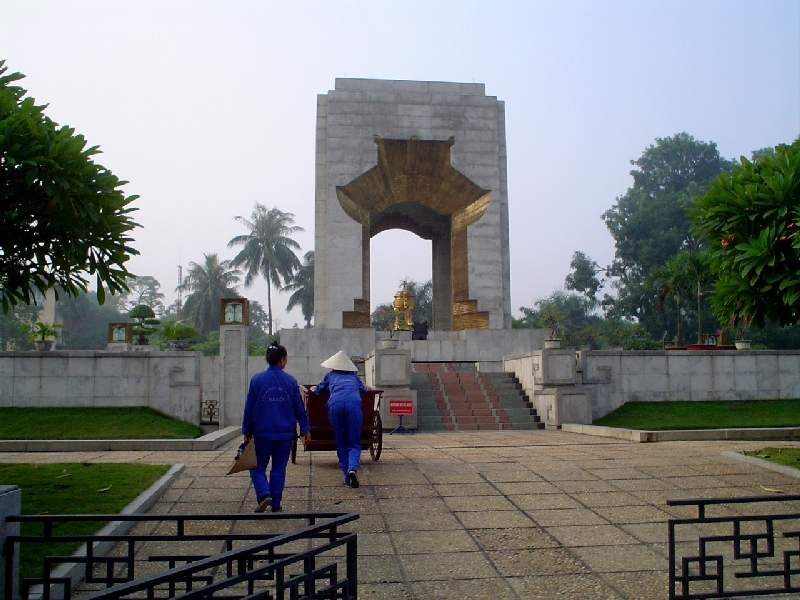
(340, 362)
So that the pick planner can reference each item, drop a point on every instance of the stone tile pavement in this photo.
(501, 515)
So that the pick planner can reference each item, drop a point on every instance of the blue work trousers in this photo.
(346, 418)
(278, 452)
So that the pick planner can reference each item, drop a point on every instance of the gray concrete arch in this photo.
(427, 157)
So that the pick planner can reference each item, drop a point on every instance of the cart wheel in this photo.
(377, 443)
(294, 449)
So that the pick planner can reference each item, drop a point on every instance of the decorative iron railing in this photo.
(209, 412)
(755, 552)
(269, 556)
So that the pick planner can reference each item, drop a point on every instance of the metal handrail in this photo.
(749, 559)
(262, 562)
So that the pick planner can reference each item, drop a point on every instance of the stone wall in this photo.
(170, 382)
(608, 379)
(485, 348)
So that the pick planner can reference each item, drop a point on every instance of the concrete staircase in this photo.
(455, 397)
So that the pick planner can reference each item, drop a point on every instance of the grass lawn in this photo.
(73, 488)
(720, 414)
(91, 424)
(789, 457)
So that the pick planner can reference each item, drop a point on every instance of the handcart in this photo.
(322, 437)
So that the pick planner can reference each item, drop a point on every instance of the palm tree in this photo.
(695, 265)
(208, 284)
(671, 278)
(267, 251)
(302, 282)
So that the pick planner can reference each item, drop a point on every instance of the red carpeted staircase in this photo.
(466, 400)
(453, 396)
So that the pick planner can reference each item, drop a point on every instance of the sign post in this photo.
(400, 407)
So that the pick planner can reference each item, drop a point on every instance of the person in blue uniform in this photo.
(271, 412)
(344, 412)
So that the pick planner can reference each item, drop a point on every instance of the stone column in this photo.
(233, 374)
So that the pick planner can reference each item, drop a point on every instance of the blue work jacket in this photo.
(344, 386)
(274, 406)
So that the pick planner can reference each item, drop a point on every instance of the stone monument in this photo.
(427, 157)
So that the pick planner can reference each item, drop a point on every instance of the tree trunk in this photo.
(269, 305)
(699, 315)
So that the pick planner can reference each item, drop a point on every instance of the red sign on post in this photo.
(401, 407)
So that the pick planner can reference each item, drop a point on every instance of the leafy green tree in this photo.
(267, 250)
(671, 280)
(86, 321)
(259, 324)
(63, 217)
(143, 290)
(301, 284)
(566, 316)
(11, 334)
(144, 323)
(750, 219)
(206, 285)
(382, 318)
(649, 222)
(583, 278)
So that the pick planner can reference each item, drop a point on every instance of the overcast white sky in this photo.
(209, 107)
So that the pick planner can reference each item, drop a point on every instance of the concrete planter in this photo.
(742, 344)
(389, 343)
(552, 344)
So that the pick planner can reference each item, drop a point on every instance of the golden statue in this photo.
(403, 305)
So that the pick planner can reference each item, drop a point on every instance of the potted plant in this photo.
(42, 335)
(391, 342)
(178, 333)
(552, 319)
(144, 323)
(742, 341)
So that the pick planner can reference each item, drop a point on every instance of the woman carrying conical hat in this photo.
(344, 412)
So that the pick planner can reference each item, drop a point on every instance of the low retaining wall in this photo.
(609, 379)
(170, 382)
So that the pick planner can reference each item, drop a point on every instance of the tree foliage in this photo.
(11, 334)
(63, 217)
(267, 249)
(145, 322)
(86, 321)
(206, 285)
(143, 290)
(750, 219)
(301, 284)
(583, 278)
(423, 300)
(649, 223)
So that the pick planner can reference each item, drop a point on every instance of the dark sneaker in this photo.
(263, 503)
(277, 509)
(353, 477)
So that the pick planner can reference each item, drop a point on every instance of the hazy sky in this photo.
(209, 107)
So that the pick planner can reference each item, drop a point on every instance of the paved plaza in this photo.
(501, 515)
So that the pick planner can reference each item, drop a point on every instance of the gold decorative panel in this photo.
(413, 186)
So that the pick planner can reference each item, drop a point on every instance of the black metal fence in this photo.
(753, 550)
(259, 556)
